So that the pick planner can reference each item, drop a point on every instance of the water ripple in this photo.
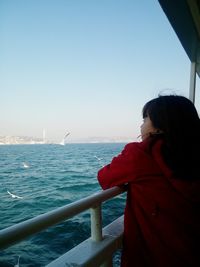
(55, 176)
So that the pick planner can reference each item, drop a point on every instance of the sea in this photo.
(46, 177)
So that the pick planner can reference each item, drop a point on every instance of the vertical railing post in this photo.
(96, 230)
(192, 81)
(96, 224)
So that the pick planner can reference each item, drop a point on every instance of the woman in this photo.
(162, 214)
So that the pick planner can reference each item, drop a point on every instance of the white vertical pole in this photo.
(96, 224)
(192, 81)
(96, 230)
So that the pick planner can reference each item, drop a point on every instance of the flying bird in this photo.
(25, 165)
(14, 196)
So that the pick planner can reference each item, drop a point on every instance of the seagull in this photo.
(63, 141)
(66, 135)
(25, 165)
(13, 196)
(98, 158)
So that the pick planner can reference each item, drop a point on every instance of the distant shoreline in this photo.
(70, 143)
(24, 140)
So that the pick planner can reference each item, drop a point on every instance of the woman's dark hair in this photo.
(178, 121)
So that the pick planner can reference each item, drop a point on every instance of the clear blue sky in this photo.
(85, 66)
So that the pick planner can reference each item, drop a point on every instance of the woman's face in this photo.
(147, 128)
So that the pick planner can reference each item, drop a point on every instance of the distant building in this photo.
(16, 140)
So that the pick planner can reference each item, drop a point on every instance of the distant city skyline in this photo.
(85, 67)
(16, 140)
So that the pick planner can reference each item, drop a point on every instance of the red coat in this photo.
(162, 214)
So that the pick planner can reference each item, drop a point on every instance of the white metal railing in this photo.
(91, 253)
(20, 231)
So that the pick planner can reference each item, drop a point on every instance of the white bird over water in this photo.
(26, 165)
(17, 265)
(66, 135)
(99, 160)
(63, 142)
(14, 196)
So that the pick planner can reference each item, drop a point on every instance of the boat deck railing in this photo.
(93, 252)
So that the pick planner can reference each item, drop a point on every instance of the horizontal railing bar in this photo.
(20, 231)
(90, 253)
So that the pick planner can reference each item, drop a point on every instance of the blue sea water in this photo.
(53, 176)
